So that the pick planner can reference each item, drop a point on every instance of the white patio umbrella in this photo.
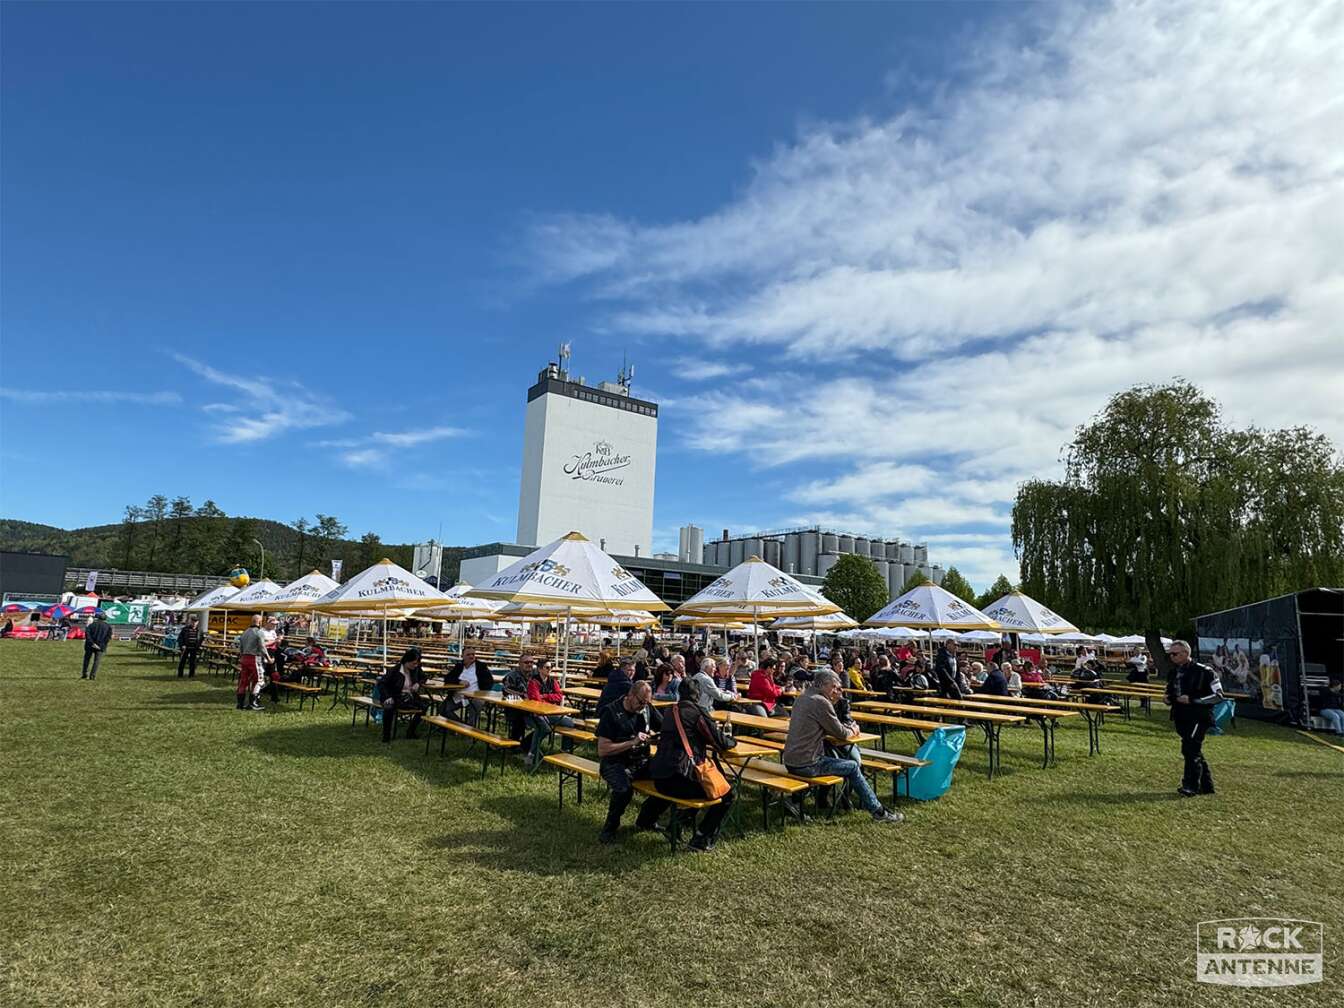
(928, 607)
(756, 590)
(574, 574)
(298, 596)
(251, 597)
(211, 599)
(813, 625)
(385, 588)
(1020, 613)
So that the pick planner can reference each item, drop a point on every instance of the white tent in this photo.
(1077, 637)
(384, 590)
(928, 607)
(299, 596)
(212, 598)
(251, 597)
(1020, 613)
(975, 636)
(755, 590)
(573, 574)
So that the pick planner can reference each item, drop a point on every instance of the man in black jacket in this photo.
(476, 675)
(96, 638)
(945, 667)
(1192, 690)
(188, 647)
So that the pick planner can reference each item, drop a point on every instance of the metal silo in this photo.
(883, 568)
(825, 562)
(907, 554)
(924, 571)
(773, 552)
(808, 548)
(863, 546)
(791, 559)
(696, 544)
(735, 555)
(754, 549)
(845, 544)
(922, 554)
(938, 574)
(891, 549)
(828, 543)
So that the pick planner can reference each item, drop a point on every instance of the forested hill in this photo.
(205, 542)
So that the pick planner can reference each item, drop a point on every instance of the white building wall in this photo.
(587, 467)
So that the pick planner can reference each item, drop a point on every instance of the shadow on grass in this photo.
(567, 844)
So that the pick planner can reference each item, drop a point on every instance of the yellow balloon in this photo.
(239, 578)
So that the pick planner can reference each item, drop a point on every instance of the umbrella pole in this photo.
(755, 632)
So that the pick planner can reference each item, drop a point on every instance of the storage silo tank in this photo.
(937, 575)
(907, 553)
(844, 544)
(774, 550)
(924, 571)
(892, 549)
(825, 562)
(735, 556)
(790, 556)
(808, 548)
(922, 554)
(896, 576)
(696, 544)
(827, 544)
(754, 548)
(883, 568)
(863, 546)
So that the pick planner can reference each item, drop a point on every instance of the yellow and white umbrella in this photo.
(928, 607)
(573, 574)
(298, 596)
(1023, 614)
(212, 599)
(250, 599)
(755, 590)
(829, 623)
(385, 589)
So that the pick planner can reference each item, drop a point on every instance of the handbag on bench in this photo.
(707, 771)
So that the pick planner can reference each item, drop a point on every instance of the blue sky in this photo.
(875, 261)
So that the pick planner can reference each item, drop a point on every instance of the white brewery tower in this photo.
(589, 454)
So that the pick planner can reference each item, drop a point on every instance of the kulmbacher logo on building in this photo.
(598, 464)
(1259, 952)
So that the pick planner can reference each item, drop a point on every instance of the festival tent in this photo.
(297, 596)
(978, 636)
(213, 598)
(1076, 637)
(1018, 613)
(755, 590)
(381, 591)
(250, 599)
(574, 574)
(928, 607)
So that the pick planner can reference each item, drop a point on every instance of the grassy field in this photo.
(158, 847)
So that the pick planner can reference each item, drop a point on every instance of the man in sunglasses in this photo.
(1192, 690)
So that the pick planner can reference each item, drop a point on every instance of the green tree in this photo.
(914, 581)
(327, 532)
(238, 545)
(1001, 587)
(956, 584)
(155, 510)
(129, 520)
(178, 513)
(211, 528)
(300, 546)
(1165, 513)
(370, 550)
(855, 586)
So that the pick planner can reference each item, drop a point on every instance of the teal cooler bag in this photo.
(1223, 712)
(942, 749)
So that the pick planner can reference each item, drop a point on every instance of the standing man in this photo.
(251, 664)
(1192, 690)
(188, 647)
(96, 638)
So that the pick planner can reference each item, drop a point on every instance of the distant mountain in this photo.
(208, 545)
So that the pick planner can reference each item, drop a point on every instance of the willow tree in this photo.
(1165, 513)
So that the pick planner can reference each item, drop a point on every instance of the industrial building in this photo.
(813, 551)
(589, 459)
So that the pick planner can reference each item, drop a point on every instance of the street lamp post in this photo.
(262, 575)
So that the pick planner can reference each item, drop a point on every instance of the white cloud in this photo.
(1114, 195)
(266, 408)
(89, 396)
(375, 449)
(697, 369)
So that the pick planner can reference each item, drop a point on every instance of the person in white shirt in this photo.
(708, 692)
(474, 675)
(1085, 655)
(1013, 673)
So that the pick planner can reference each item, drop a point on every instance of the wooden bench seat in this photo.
(490, 742)
(304, 692)
(572, 735)
(877, 761)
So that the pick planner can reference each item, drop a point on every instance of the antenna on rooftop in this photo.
(564, 358)
(626, 375)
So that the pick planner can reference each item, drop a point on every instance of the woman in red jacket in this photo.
(542, 687)
(764, 690)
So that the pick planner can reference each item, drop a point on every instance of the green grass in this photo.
(158, 847)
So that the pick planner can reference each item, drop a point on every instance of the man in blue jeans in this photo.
(812, 721)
